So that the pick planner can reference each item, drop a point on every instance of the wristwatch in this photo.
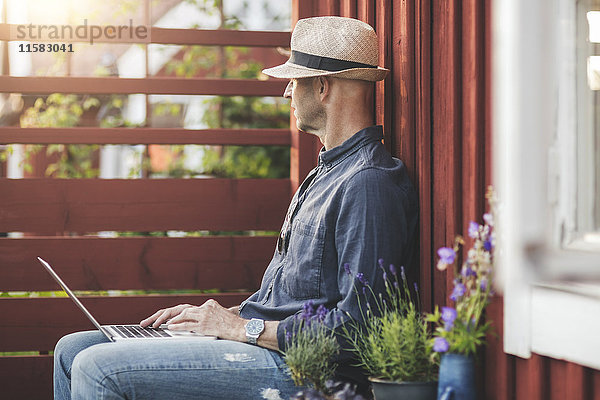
(254, 328)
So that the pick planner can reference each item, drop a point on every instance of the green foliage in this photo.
(393, 342)
(235, 112)
(60, 110)
(396, 347)
(309, 354)
(463, 338)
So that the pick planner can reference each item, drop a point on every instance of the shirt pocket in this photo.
(301, 277)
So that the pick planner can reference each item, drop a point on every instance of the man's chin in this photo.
(304, 128)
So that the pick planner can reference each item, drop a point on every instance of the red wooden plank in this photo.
(26, 377)
(575, 382)
(304, 9)
(366, 11)
(446, 133)
(423, 131)
(404, 83)
(37, 323)
(473, 112)
(499, 379)
(348, 8)
(530, 378)
(595, 386)
(384, 96)
(203, 37)
(89, 135)
(329, 7)
(150, 263)
(557, 380)
(166, 85)
(48, 206)
(221, 37)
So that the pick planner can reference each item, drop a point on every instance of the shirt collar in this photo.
(331, 157)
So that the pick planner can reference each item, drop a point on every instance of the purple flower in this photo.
(416, 287)
(468, 272)
(446, 254)
(380, 262)
(361, 277)
(322, 313)
(440, 345)
(384, 276)
(393, 269)
(308, 310)
(396, 284)
(288, 336)
(487, 245)
(473, 229)
(483, 284)
(459, 291)
(448, 314)
(402, 273)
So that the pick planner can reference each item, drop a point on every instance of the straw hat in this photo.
(332, 46)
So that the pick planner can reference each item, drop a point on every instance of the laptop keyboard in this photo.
(133, 331)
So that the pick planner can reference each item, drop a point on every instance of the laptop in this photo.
(124, 332)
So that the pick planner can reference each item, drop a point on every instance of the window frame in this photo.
(534, 153)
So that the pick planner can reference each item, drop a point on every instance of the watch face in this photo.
(254, 327)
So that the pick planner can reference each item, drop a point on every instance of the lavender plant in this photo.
(311, 348)
(461, 329)
(393, 342)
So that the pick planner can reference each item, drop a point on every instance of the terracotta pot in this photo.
(389, 390)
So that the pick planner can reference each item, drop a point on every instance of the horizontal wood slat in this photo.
(225, 263)
(87, 135)
(26, 377)
(220, 37)
(48, 206)
(168, 85)
(37, 323)
(201, 37)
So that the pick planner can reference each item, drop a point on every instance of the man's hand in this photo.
(210, 319)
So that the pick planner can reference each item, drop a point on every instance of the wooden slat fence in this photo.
(51, 211)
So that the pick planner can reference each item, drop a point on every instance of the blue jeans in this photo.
(88, 366)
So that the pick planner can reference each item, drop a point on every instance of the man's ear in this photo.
(323, 86)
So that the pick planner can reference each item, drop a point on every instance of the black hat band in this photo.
(324, 63)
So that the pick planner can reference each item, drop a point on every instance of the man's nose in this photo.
(287, 93)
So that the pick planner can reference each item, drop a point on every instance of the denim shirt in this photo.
(356, 207)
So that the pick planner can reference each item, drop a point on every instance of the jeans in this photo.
(88, 366)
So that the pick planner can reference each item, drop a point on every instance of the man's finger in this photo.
(182, 317)
(151, 318)
(184, 326)
(159, 317)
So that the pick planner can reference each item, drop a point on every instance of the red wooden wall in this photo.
(436, 110)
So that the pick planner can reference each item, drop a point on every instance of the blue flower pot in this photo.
(456, 378)
(388, 390)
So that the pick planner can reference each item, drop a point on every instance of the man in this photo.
(355, 207)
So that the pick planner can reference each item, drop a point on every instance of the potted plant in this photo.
(461, 329)
(309, 355)
(394, 344)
